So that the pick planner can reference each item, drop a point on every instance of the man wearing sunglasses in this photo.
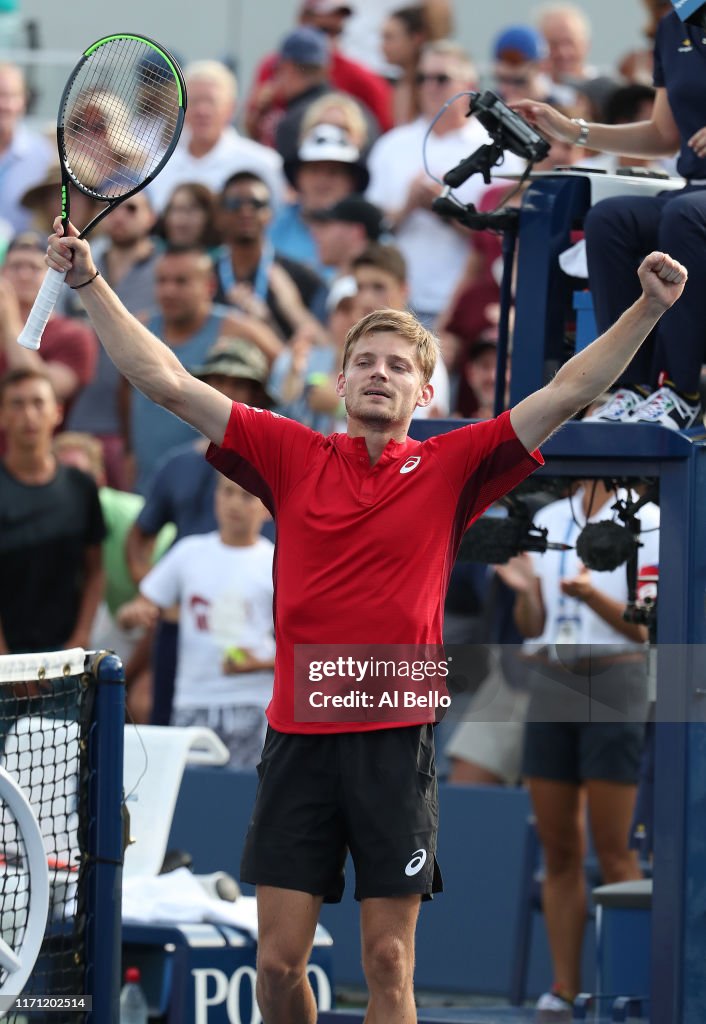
(518, 51)
(435, 252)
(282, 292)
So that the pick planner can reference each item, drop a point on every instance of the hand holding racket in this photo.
(120, 118)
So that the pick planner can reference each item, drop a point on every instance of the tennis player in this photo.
(368, 524)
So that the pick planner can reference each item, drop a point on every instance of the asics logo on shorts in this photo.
(419, 859)
(411, 464)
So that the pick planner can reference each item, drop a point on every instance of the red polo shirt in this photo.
(364, 553)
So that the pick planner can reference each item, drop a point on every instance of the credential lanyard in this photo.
(563, 600)
(262, 275)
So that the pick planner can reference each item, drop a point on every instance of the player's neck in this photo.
(30, 465)
(376, 438)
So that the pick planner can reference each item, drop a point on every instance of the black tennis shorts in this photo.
(373, 793)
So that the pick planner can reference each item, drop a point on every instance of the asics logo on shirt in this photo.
(419, 859)
(411, 464)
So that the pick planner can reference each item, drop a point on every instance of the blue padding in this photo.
(466, 936)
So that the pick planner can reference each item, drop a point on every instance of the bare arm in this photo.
(140, 612)
(529, 612)
(657, 137)
(139, 548)
(4, 649)
(93, 586)
(593, 370)
(64, 379)
(140, 356)
(607, 608)
(438, 15)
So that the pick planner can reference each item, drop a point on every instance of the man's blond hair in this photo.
(217, 73)
(393, 321)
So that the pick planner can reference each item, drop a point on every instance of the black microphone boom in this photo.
(495, 541)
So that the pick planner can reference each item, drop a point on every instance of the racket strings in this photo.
(120, 115)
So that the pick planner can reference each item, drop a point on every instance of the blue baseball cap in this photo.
(686, 7)
(305, 45)
(519, 43)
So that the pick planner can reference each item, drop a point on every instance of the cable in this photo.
(441, 112)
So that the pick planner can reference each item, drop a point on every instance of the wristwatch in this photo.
(583, 131)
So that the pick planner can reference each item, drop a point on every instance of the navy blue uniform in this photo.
(622, 230)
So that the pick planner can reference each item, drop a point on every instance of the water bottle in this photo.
(133, 1005)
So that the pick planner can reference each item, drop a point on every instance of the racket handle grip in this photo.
(31, 334)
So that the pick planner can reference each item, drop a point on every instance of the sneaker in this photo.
(553, 1009)
(619, 408)
(669, 409)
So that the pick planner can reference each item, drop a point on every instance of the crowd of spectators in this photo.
(250, 256)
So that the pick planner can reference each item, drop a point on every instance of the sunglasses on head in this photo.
(238, 202)
(440, 79)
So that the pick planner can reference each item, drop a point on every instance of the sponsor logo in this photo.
(220, 997)
(419, 859)
(411, 464)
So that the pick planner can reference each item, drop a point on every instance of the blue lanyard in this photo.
(227, 278)
(563, 600)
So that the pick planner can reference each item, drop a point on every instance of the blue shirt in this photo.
(680, 68)
(182, 492)
(153, 430)
(290, 236)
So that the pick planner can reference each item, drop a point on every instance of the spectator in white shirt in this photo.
(222, 582)
(211, 149)
(434, 250)
(24, 155)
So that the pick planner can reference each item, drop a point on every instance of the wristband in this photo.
(583, 131)
(75, 287)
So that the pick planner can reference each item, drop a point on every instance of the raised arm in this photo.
(140, 356)
(590, 372)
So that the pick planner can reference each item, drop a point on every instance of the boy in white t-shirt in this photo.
(222, 582)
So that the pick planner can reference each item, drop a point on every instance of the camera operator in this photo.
(661, 383)
(585, 722)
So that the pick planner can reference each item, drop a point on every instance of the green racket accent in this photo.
(147, 42)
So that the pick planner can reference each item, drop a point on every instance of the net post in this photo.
(105, 837)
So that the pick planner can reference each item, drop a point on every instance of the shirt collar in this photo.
(392, 451)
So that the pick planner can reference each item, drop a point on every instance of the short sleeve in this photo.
(483, 461)
(264, 452)
(162, 584)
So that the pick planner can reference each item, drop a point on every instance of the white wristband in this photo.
(583, 131)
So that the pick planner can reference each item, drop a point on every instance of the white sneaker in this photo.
(552, 1009)
(668, 409)
(619, 408)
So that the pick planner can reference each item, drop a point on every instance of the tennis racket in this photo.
(120, 117)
